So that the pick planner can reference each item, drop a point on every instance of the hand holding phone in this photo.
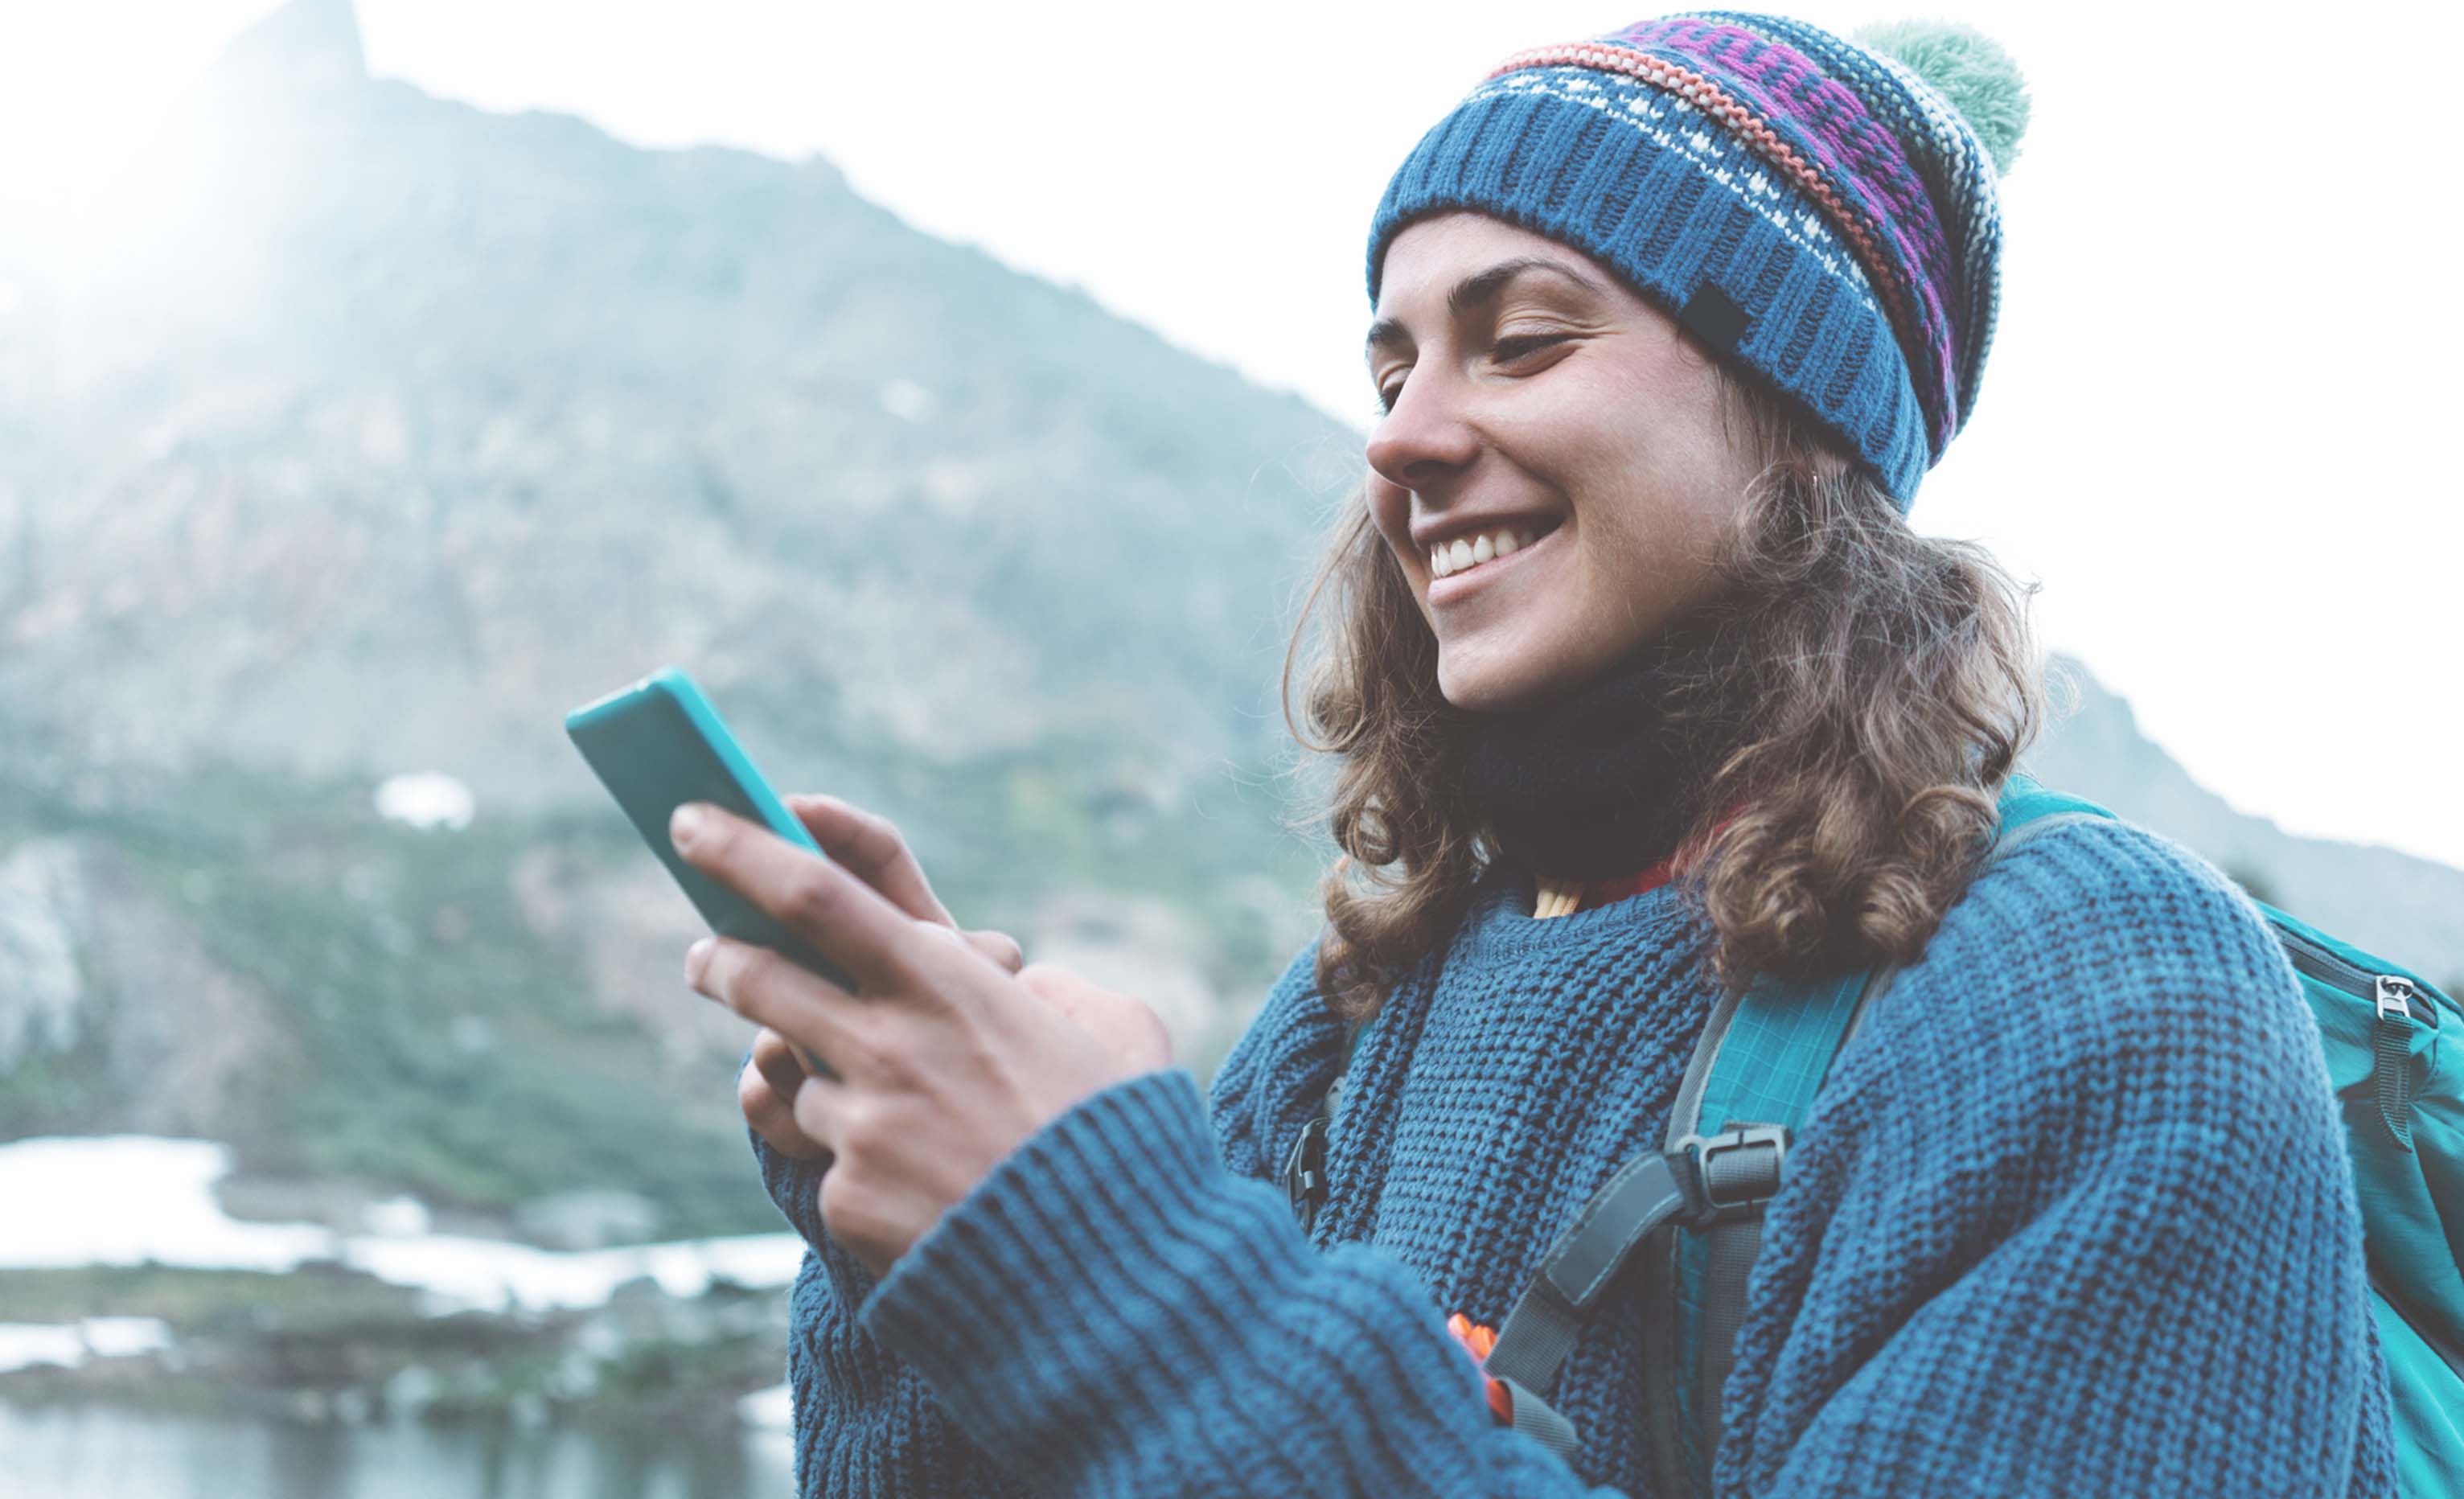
(659, 743)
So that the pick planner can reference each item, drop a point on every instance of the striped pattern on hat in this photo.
(1813, 209)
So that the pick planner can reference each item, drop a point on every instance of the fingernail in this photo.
(696, 957)
(686, 824)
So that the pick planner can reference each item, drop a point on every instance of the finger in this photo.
(838, 914)
(777, 994)
(1127, 1026)
(771, 1115)
(778, 1061)
(1001, 947)
(870, 843)
(998, 948)
(819, 1109)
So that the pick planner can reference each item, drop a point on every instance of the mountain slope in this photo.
(410, 427)
(2406, 909)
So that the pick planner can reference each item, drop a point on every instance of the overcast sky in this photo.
(2213, 426)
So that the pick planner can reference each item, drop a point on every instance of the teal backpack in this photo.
(1689, 1218)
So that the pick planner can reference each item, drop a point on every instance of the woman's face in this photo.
(1532, 398)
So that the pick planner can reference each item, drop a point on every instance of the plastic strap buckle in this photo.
(1729, 1181)
(1304, 1181)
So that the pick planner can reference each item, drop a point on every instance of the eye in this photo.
(1509, 350)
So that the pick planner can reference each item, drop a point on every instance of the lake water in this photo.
(162, 1209)
(85, 1452)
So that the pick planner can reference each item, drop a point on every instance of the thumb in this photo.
(999, 947)
(1125, 1024)
(1057, 986)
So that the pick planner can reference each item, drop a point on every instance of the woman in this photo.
(1642, 687)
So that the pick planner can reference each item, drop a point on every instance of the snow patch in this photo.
(23, 1345)
(134, 1199)
(425, 798)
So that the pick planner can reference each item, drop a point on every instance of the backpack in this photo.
(1689, 1218)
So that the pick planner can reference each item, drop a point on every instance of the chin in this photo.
(1494, 686)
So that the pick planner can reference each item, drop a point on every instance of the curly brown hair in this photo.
(1876, 690)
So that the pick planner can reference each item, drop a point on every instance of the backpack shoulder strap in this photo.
(1756, 1071)
(1762, 1057)
(1761, 1061)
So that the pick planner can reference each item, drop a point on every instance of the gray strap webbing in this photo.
(1730, 1249)
(1687, 1116)
(1732, 1246)
(1547, 1319)
(1538, 1335)
(1657, 1288)
(1538, 1420)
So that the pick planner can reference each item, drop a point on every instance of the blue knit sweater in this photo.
(2071, 1217)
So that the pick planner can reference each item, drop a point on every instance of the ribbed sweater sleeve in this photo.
(2072, 1216)
(1126, 1307)
(1113, 1312)
(864, 1423)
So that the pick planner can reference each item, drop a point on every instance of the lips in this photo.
(1456, 584)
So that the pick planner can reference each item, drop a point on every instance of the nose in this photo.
(1425, 439)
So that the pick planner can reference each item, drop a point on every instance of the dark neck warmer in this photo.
(1608, 778)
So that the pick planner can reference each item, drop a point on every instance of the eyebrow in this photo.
(1480, 286)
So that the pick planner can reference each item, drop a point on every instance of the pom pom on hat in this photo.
(1968, 67)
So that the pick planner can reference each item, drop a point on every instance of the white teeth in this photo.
(1444, 562)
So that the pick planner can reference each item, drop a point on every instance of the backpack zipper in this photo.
(2390, 1036)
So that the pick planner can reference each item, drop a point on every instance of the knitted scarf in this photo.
(1608, 778)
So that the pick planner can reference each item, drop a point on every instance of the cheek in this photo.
(1390, 511)
(1662, 477)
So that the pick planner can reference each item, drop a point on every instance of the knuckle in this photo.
(872, 841)
(814, 896)
(753, 1093)
(752, 970)
(853, 1044)
(860, 1131)
(873, 1045)
(853, 1212)
(895, 1068)
(1001, 948)
(805, 1112)
(843, 1195)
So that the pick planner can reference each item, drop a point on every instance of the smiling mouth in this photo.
(1472, 554)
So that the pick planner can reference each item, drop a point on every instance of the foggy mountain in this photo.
(2401, 907)
(408, 427)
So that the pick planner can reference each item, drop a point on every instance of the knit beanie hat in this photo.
(1817, 211)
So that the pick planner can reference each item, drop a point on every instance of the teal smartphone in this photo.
(658, 744)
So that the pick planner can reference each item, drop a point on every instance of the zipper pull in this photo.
(2396, 994)
(2391, 1065)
